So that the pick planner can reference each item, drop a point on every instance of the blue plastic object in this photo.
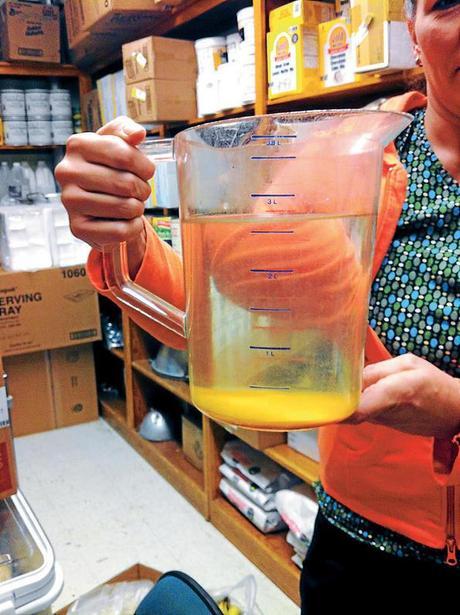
(175, 593)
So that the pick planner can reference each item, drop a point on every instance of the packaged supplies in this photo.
(265, 473)
(298, 512)
(265, 521)
(250, 489)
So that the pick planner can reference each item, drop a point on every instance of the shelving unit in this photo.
(193, 19)
(28, 148)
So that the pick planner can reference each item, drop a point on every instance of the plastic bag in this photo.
(298, 512)
(241, 596)
(116, 599)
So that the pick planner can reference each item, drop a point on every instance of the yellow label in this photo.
(336, 55)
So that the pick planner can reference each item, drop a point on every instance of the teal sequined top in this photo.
(415, 301)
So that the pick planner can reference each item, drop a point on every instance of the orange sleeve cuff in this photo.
(160, 272)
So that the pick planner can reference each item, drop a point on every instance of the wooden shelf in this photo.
(178, 387)
(305, 468)
(368, 84)
(116, 407)
(166, 457)
(27, 148)
(269, 552)
(38, 69)
(118, 352)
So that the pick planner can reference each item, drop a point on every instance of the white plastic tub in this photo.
(210, 53)
(32, 578)
(233, 43)
(39, 132)
(61, 130)
(228, 86)
(15, 131)
(245, 19)
(207, 95)
(12, 103)
(38, 104)
(61, 104)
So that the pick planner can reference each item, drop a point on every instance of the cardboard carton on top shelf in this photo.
(29, 32)
(128, 17)
(380, 35)
(156, 100)
(50, 308)
(157, 57)
(8, 474)
(301, 12)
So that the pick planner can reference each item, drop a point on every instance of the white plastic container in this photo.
(233, 43)
(245, 19)
(247, 53)
(61, 130)
(61, 104)
(207, 95)
(248, 84)
(228, 86)
(210, 53)
(36, 579)
(12, 103)
(39, 132)
(15, 131)
(38, 104)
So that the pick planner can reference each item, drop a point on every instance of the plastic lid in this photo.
(27, 565)
(233, 38)
(247, 13)
(37, 91)
(59, 91)
(15, 90)
(211, 41)
(14, 118)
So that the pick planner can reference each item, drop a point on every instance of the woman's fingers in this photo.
(97, 178)
(110, 151)
(97, 205)
(99, 233)
(376, 371)
(125, 128)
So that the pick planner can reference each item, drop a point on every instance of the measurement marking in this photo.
(255, 386)
(271, 270)
(272, 232)
(256, 309)
(273, 157)
(256, 137)
(256, 195)
(270, 347)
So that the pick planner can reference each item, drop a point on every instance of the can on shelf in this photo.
(38, 104)
(39, 132)
(61, 104)
(61, 130)
(12, 103)
(15, 131)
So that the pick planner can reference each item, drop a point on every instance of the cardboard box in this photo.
(8, 474)
(156, 100)
(138, 572)
(336, 57)
(91, 111)
(156, 57)
(192, 442)
(52, 389)
(128, 17)
(305, 442)
(74, 385)
(30, 385)
(380, 35)
(50, 308)
(257, 439)
(293, 48)
(30, 32)
(301, 12)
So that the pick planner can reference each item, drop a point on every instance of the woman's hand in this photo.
(412, 395)
(104, 185)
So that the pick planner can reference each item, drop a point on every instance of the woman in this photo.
(389, 507)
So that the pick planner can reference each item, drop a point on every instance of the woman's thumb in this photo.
(125, 128)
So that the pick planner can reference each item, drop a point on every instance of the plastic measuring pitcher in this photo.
(278, 217)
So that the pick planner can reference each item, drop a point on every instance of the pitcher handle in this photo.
(115, 262)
